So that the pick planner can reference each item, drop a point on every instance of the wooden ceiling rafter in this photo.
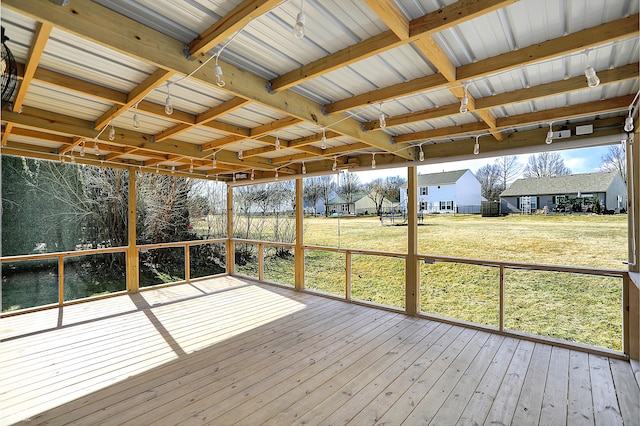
(544, 116)
(431, 23)
(157, 78)
(40, 38)
(395, 20)
(601, 34)
(149, 45)
(230, 24)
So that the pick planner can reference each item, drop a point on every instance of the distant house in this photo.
(567, 193)
(447, 192)
(360, 204)
(365, 205)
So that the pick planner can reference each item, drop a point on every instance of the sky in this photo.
(583, 160)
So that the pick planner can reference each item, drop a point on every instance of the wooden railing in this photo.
(186, 245)
(60, 256)
(501, 266)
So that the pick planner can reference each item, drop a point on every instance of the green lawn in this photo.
(580, 308)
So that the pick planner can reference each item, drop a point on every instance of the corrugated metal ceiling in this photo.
(265, 48)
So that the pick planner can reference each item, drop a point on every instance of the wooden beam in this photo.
(575, 42)
(546, 116)
(392, 17)
(431, 23)
(229, 24)
(624, 73)
(38, 43)
(136, 95)
(622, 28)
(283, 123)
(571, 111)
(134, 39)
(434, 53)
(82, 129)
(6, 131)
(433, 81)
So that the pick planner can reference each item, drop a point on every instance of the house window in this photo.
(446, 205)
(423, 205)
(529, 203)
(560, 199)
(424, 190)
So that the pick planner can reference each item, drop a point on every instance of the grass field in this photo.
(580, 308)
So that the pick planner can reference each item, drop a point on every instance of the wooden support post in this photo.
(133, 276)
(501, 325)
(60, 280)
(412, 275)
(298, 251)
(631, 291)
(348, 275)
(260, 262)
(187, 262)
(231, 251)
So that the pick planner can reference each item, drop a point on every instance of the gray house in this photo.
(565, 193)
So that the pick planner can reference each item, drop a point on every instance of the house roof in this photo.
(521, 64)
(339, 199)
(558, 185)
(442, 178)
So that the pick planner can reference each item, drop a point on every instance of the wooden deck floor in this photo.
(227, 351)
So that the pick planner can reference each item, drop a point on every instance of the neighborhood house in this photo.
(571, 193)
(457, 191)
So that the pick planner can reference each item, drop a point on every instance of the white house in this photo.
(447, 192)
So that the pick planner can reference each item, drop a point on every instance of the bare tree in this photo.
(546, 164)
(329, 185)
(509, 168)
(313, 192)
(376, 191)
(489, 176)
(350, 186)
(615, 160)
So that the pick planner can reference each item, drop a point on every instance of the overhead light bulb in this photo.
(381, 118)
(173, 169)
(136, 122)
(464, 102)
(96, 148)
(82, 149)
(219, 76)
(168, 105)
(72, 159)
(191, 167)
(628, 124)
(253, 174)
(298, 28)
(234, 177)
(335, 164)
(373, 160)
(421, 155)
(240, 155)
(323, 144)
(214, 163)
(277, 143)
(592, 77)
(476, 147)
(304, 169)
(112, 133)
(276, 176)
(549, 139)
(157, 169)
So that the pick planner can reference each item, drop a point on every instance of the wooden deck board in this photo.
(230, 351)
